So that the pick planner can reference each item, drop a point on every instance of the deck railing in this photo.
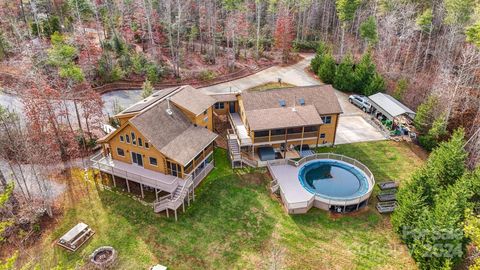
(105, 164)
(329, 201)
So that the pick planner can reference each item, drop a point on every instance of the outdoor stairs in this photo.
(274, 187)
(234, 151)
(174, 200)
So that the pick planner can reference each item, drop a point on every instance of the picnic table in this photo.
(76, 237)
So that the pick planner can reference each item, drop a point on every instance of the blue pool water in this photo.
(333, 179)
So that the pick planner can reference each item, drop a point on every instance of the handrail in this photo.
(369, 175)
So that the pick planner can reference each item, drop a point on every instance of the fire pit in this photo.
(103, 257)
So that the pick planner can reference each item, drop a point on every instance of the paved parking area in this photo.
(354, 128)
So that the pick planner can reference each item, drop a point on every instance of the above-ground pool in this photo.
(332, 179)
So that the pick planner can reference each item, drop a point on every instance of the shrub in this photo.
(425, 115)
(305, 45)
(327, 69)
(153, 72)
(207, 75)
(344, 76)
(427, 142)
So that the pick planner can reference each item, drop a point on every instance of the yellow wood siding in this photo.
(115, 143)
(200, 119)
(329, 130)
(226, 108)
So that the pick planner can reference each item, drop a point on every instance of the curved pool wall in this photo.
(337, 185)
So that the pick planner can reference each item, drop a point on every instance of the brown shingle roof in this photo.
(224, 97)
(173, 135)
(321, 96)
(188, 144)
(283, 117)
(192, 100)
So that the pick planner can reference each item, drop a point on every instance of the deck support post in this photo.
(141, 190)
(166, 209)
(188, 197)
(128, 186)
(113, 178)
(193, 194)
(183, 206)
(156, 194)
(176, 219)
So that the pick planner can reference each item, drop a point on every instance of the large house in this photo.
(279, 123)
(164, 143)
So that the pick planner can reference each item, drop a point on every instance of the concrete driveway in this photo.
(352, 126)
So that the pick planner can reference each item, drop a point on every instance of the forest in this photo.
(58, 56)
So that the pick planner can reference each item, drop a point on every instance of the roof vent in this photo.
(301, 101)
(282, 103)
(169, 111)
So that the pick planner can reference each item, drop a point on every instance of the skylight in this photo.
(282, 103)
(301, 101)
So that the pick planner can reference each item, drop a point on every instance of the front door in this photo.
(137, 159)
(232, 106)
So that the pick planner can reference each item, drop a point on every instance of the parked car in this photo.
(361, 102)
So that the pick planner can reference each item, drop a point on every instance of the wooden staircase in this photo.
(177, 198)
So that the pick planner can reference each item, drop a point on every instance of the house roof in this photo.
(271, 109)
(283, 117)
(188, 144)
(389, 105)
(146, 102)
(224, 97)
(192, 100)
(321, 96)
(172, 134)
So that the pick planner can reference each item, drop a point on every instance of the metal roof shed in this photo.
(389, 106)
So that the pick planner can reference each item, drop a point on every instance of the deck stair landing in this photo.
(176, 199)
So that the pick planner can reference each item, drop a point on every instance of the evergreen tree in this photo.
(147, 89)
(322, 50)
(344, 75)
(473, 34)
(377, 84)
(368, 31)
(364, 73)
(425, 115)
(327, 69)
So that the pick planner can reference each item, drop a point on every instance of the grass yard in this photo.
(235, 224)
(270, 85)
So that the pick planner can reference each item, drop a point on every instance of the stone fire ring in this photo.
(103, 257)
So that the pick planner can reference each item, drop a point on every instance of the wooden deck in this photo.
(136, 173)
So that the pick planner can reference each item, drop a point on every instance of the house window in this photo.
(322, 135)
(120, 152)
(219, 105)
(134, 140)
(311, 129)
(205, 119)
(146, 145)
(140, 143)
(327, 119)
(127, 138)
(153, 161)
(121, 138)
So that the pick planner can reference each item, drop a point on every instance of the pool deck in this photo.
(292, 189)
(297, 200)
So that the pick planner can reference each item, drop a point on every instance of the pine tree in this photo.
(327, 69)
(344, 75)
(364, 73)
(425, 115)
(147, 89)
(368, 31)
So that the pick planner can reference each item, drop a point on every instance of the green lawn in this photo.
(236, 224)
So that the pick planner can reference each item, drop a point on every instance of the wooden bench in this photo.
(76, 237)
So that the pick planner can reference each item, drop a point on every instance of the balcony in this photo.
(281, 138)
(136, 173)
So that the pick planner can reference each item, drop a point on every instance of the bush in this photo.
(427, 142)
(305, 45)
(207, 75)
(344, 76)
(153, 72)
(327, 69)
